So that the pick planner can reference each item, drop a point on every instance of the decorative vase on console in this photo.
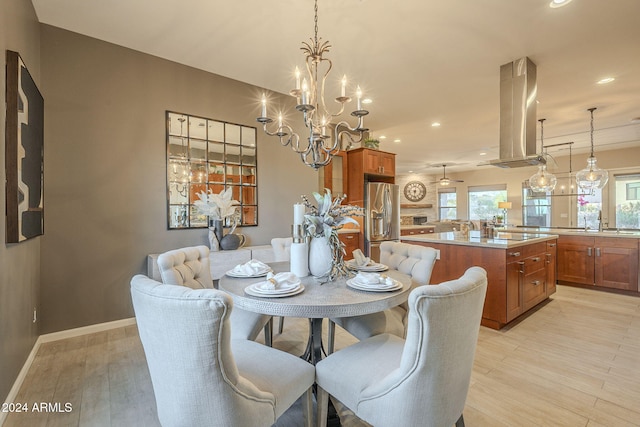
(326, 251)
(219, 207)
(216, 232)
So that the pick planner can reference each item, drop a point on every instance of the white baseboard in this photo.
(55, 336)
(84, 330)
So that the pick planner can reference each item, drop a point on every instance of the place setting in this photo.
(373, 282)
(363, 263)
(279, 285)
(251, 268)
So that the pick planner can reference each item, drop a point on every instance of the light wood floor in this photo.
(575, 361)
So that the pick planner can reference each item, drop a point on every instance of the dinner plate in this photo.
(231, 273)
(251, 290)
(372, 267)
(372, 288)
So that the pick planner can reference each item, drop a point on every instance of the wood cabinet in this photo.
(518, 277)
(417, 231)
(551, 258)
(609, 262)
(365, 165)
(351, 243)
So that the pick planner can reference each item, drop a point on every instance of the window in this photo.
(447, 201)
(589, 208)
(627, 201)
(209, 155)
(536, 207)
(483, 201)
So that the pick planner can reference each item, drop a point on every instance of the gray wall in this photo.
(19, 263)
(105, 170)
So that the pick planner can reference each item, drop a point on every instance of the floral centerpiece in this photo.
(322, 224)
(219, 208)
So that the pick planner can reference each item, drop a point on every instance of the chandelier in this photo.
(542, 181)
(592, 176)
(320, 146)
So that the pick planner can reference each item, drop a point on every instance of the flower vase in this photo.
(320, 257)
(216, 232)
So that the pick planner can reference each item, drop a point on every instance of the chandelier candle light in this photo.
(320, 146)
(592, 176)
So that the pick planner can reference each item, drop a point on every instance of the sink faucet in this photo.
(600, 221)
(586, 227)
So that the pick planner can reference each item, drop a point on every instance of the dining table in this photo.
(320, 299)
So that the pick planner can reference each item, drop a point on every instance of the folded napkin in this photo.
(360, 259)
(250, 268)
(373, 279)
(280, 281)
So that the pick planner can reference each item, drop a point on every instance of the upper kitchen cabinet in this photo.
(368, 165)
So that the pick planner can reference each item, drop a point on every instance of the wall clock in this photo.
(415, 191)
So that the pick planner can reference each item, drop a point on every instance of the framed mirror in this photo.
(209, 155)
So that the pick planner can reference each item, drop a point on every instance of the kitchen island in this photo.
(521, 268)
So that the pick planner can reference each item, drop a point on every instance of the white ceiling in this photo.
(419, 60)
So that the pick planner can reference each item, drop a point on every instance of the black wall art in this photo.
(24, 145)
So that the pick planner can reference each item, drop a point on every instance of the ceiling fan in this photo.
(444, 181)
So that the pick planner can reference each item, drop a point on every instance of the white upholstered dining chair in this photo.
(190, 267)
(282, 252)
(421, 381)
(200, 375)
(414, 260)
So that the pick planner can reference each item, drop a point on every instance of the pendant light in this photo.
(542, 181)
(592, 176)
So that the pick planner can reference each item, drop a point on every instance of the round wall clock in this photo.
(415, 191)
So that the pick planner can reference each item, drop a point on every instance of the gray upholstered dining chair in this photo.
(414, 260)
(421, 381)
(200, 375)
(190, 267)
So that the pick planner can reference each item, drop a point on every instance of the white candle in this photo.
(359, 97)
(297, 78)
(344, 85)
(324, 126)
(279, 121)
(298, 214)
(305, 94)
(264, 106)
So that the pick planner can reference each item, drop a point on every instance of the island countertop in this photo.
(502, 240)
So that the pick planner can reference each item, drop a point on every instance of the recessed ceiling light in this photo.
(397, 141)
(367, 101)
(559, 3)
(382, 137)
(483, 154)
(605, 80)
(435, 124)
(410, 171)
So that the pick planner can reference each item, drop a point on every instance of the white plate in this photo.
(373, 267)
(231, 273)
(250, 290)
(257, 287)
(355, 285)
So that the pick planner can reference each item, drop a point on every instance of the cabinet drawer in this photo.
(534, 263)
(351, 242)
(534, 289)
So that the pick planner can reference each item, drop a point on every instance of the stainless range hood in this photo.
(518, 92)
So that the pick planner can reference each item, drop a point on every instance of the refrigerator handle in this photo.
(388, 210)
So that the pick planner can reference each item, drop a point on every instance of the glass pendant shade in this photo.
(592, 176)
(542, 181)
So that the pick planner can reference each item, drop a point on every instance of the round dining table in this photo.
(320, 299)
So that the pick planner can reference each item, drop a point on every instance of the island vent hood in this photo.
(518, 93)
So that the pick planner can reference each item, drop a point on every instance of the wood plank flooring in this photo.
(574, 361)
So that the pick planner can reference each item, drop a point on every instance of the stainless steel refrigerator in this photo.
(382, 216)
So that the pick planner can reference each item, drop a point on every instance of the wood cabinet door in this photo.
(387, 163)
(351, 243)
(550, 260)
(576, 260)
(515, 272)
(372, 162)
(616, 263)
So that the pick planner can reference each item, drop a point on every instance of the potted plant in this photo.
(371, 143)
(499, 219)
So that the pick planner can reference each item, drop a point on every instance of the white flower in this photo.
(216, 206)
(329, 215)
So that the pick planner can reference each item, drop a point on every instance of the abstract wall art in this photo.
(24, 149)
